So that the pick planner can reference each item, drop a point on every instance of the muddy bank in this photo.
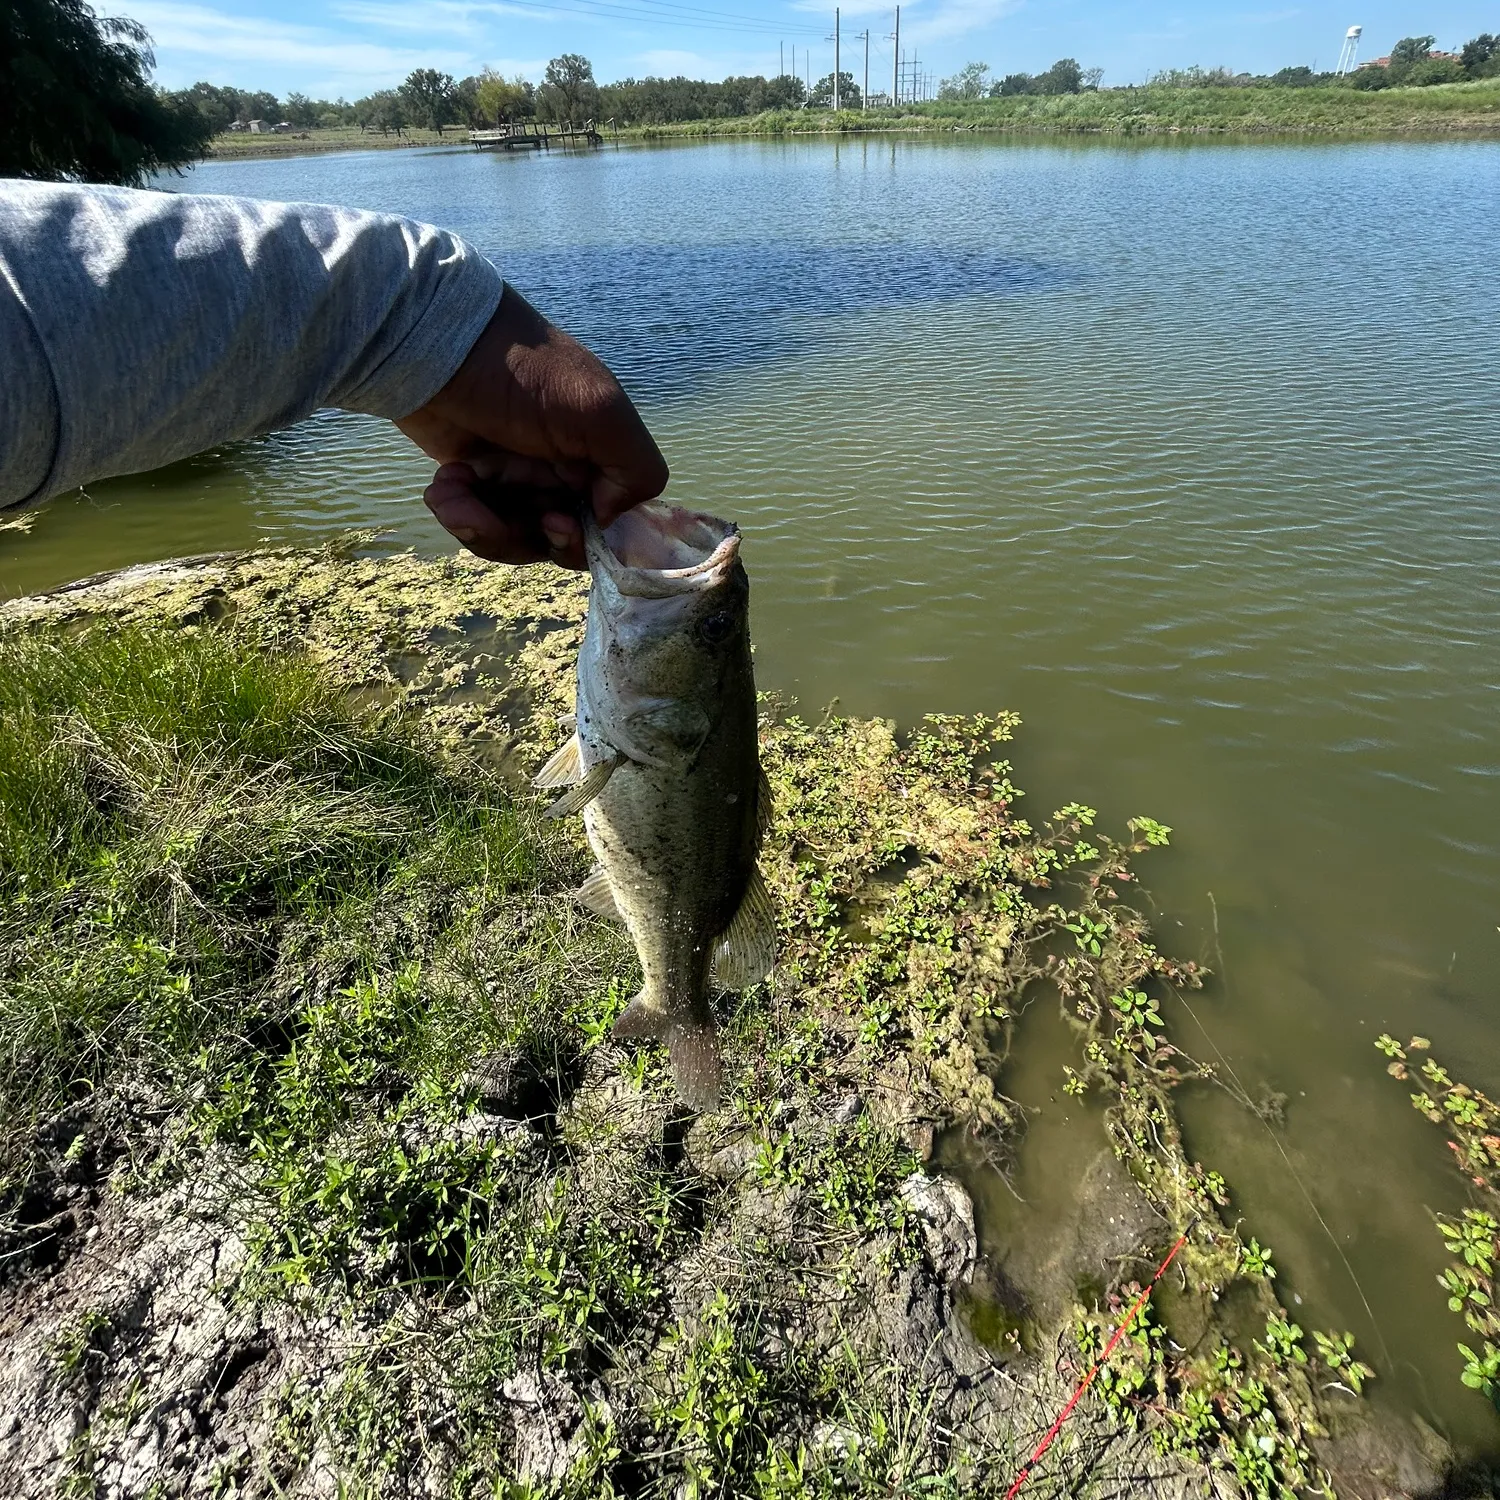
(211, 1288)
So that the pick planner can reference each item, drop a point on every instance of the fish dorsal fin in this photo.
(564, 766)
(595, 893)
(592, 784)
(746, 951)
(765, 803)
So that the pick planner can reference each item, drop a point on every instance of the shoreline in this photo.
(801, 1294)
(1468, 111)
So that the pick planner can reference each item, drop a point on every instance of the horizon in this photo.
(347, 48)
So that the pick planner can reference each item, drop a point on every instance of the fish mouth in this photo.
(657, 549)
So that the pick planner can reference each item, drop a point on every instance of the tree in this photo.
(498, 99)
(466, 103)
(1011, 84)
(568, 89)
(1063, 77)
(78, 103)
(300, 111)
(384, 111)
(785, 91)
(822, 94)
(1294, 78)
(1481, 55)
(972, 81)
(429, 98)
(1411, 49)
(259, 106)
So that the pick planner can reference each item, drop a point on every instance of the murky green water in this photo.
(1192, 455)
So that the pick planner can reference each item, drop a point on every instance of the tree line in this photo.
(79, 102)
(568, 91)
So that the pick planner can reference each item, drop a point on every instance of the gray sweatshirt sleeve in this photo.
(138, 328)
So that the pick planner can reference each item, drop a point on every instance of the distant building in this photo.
(238, 125)
(259, 127)
(1434, 55)
(283, 127)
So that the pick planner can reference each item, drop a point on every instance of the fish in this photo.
(664, 765)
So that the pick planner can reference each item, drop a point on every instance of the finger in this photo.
(507, 539)
(565, 538)
(500, 467)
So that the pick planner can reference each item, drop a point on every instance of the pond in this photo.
(1191, 454)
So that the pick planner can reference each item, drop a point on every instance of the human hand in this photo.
(530, 429)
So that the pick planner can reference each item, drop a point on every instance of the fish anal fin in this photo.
(592, 784)
(596, 894)
(693, 1047)
(642, 1021)
(746, 951)
(564, 766)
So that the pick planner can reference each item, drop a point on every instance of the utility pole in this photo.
(782, 73)
(864, 98)
(835, 60)
(896, 62)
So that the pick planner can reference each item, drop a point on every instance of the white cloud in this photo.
(948, 18)
(954, 18)
(183, 35)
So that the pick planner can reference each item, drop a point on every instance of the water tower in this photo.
(1351, 46)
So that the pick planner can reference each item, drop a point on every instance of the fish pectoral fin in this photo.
(746, 951)
(564, 766)
(596, 894)
(592, 784)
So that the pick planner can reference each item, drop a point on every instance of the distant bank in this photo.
(1471, 109)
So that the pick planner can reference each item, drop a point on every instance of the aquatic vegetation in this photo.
(1472, 1240)
(277, 942)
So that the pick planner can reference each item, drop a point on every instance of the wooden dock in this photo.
(533, 136)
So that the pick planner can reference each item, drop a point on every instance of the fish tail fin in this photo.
(693, 1047)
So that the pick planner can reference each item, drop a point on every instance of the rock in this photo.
(947, 1218)
(548, 1417)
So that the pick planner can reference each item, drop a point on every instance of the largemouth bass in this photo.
(665, 767)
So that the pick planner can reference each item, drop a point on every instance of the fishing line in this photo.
(1094, 1369)
(1244, 1098)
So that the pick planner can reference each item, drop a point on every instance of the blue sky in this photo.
(331, 47)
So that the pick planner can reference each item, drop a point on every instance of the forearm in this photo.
(139, 328)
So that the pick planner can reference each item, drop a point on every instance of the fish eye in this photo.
(715, 629)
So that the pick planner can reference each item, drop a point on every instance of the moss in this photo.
(331, 946)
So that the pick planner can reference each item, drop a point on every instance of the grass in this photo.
(1149, 110)
(239, 144)
(226, 891)
(319, 965)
